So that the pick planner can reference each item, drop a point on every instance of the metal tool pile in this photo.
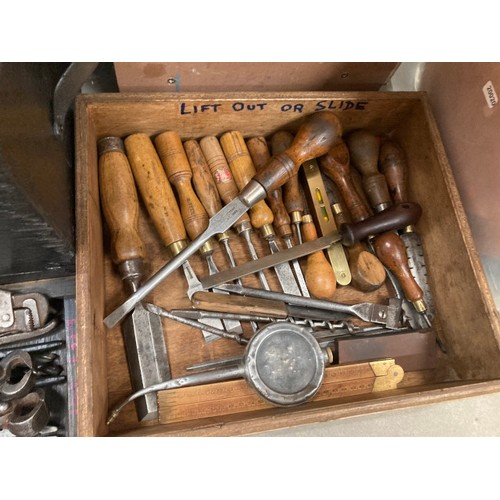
(30, 365)
(334, 212)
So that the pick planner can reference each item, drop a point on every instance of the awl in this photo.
(314, 138)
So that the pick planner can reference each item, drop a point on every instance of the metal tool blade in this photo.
(219, 223)
(298, 271)
(147, 357)
(194, 285)
(270, 261)
(284, 272)
(366, 311)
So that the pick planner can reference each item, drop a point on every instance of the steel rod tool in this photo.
(314, 138)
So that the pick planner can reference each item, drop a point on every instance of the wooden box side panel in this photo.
(92, 364)
(463, 301)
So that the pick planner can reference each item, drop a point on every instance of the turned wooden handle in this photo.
(392, 164)
(178, 169)
(203, 182)
(395, 217)
(364, 148)
(336, 166)
(119, 201)
(259, 151)
(221, 173)
(243, 170)
(292, 198)
(209, 301)
(156, 192)
(314, 138)
(391, 251)
(320, 276)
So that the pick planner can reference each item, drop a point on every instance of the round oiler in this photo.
(283, 363)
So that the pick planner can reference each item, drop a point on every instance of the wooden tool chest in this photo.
(466, 317)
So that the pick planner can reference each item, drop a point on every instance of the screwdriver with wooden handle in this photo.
(260, 154)
(206, 189)
(389, 248)
(142, 331)
(367, 272)
(160, 202)
(228, 191)
(292, 196)
(316, 135)
(176, 164)
(243, 169)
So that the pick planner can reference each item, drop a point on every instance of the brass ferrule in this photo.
(267, 231)
(246, 225)
(208, 247)
(177, 246)
(306, 219)
(107, 144)
(409, 229)
(419, 305)
(223, 236)
(296, 216)
(336, 208)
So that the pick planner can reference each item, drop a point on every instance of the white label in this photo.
(490, 94)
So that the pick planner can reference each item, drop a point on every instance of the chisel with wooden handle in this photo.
(161, 204)
(314, 138)
(259, 151)
(142, 331)
(195, 218)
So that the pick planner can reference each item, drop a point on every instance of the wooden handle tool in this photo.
(392, 164)
(320, 277)
(142, 331)
(364, 152)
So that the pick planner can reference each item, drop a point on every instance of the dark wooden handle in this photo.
(292, 198)
(203, 182)
(364, 149)
(120, 205)
(178, 169)
(156, 192)
(396, 217)
(392, 164)
(314, 138)
(259, 151)
(320, 276)
(209, 301)
(336, 166)
(243, 170)
(221, 173)
(391, 251)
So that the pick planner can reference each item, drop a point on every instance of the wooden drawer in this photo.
(466, 317)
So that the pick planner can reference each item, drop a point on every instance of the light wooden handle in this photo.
(203, 182)
(119, 202)
(320, 276)
(221, 173)
(178, 169)
(243, 170)
(335, 165)
(156, 192)
(259, 151)
(392, 164)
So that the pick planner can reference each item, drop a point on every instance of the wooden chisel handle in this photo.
(259, 151)
(313, 139)
(364, 149)
(336, 166)
(156, 192)
(292, 198)
(179, 173)
(119, 200)
(392, 164)
(238, 304)
(243, 170)
(221, 173)
(320, 276)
